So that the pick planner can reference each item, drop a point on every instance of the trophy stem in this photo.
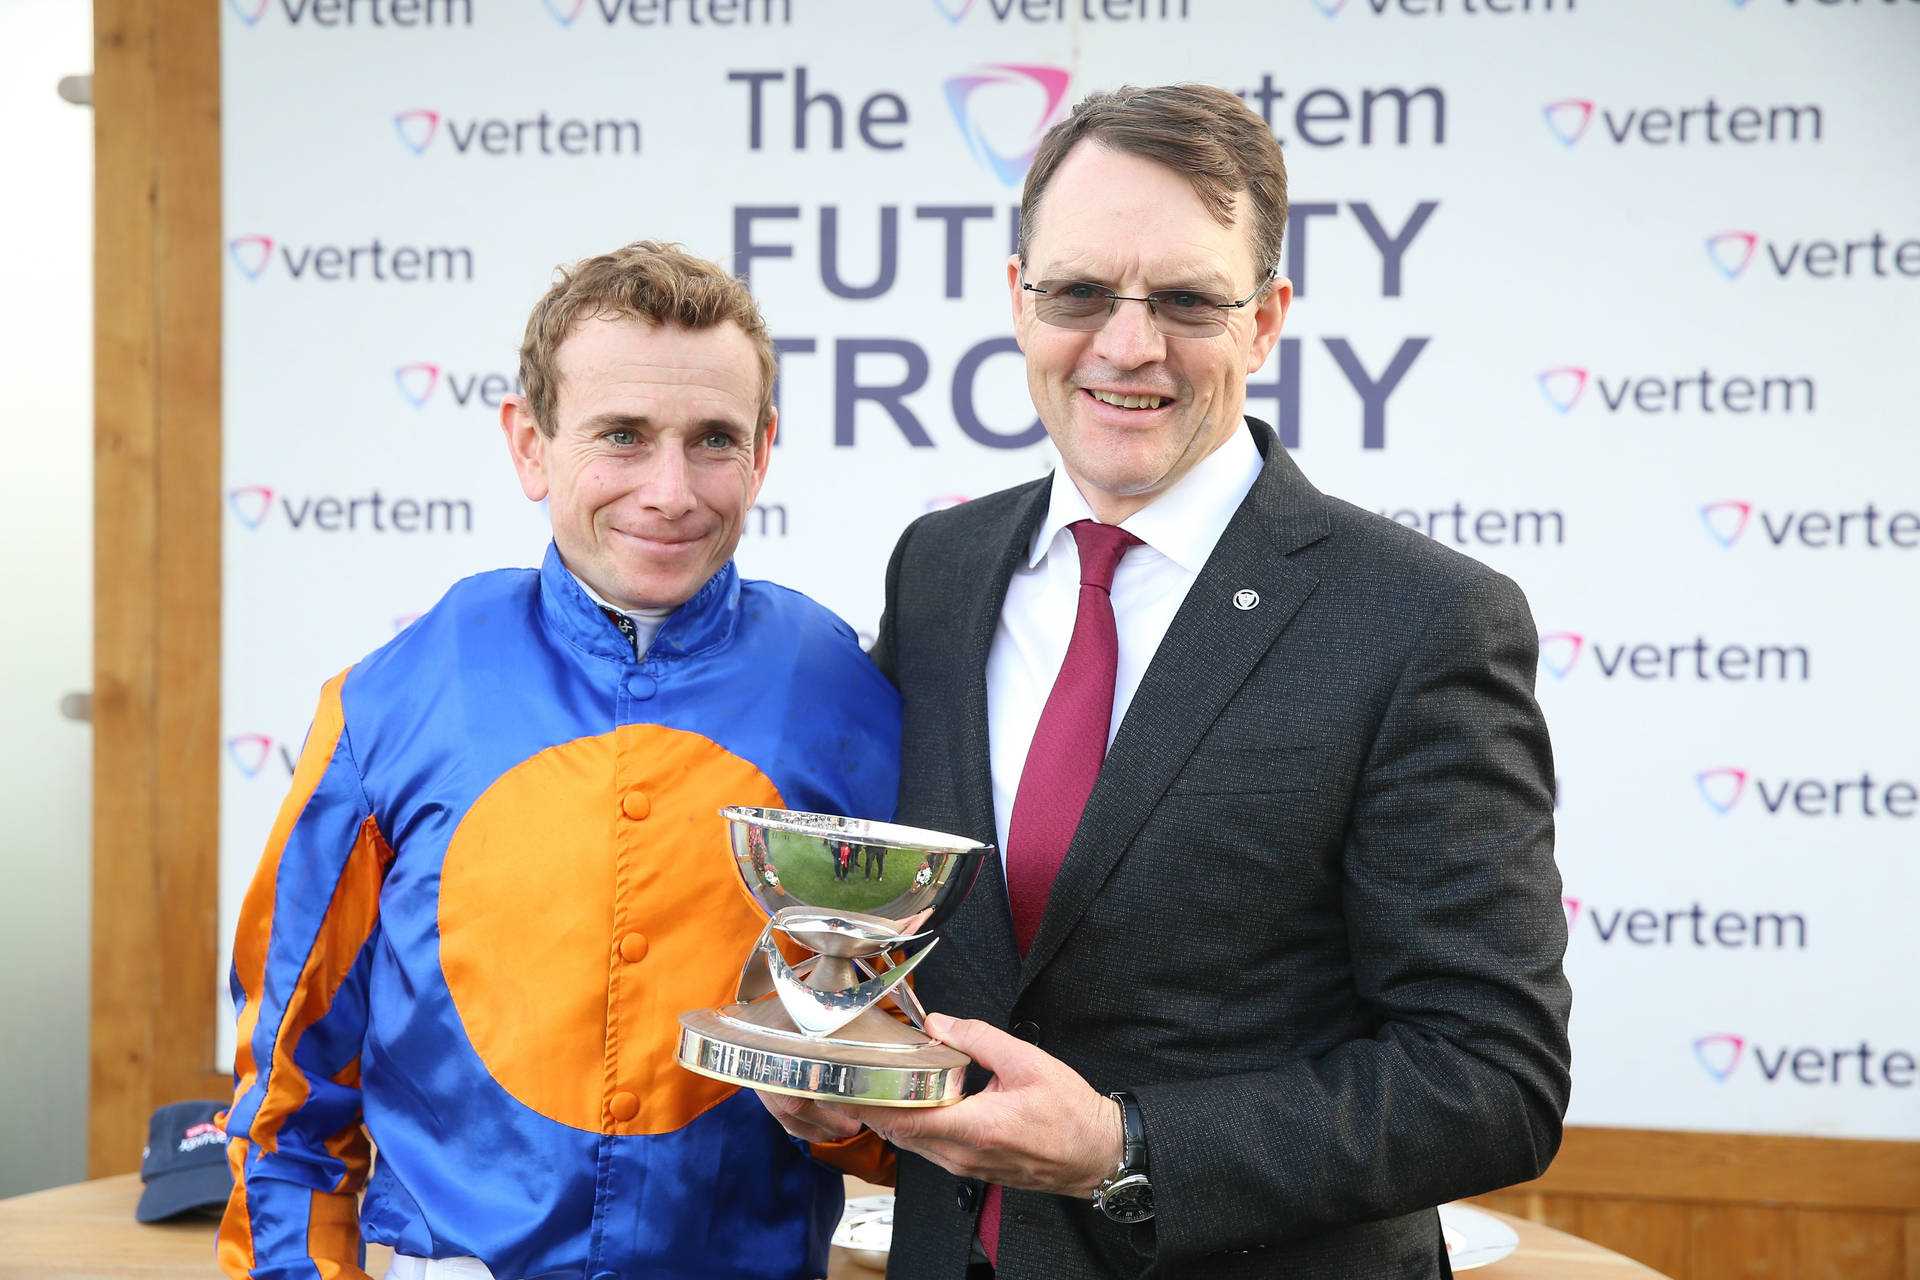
(832, 973)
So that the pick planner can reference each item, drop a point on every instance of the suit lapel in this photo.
(1209, 650)
(981, 929)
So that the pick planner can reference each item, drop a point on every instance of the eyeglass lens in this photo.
(1177, 313)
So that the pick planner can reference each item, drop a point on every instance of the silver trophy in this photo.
(852, 893)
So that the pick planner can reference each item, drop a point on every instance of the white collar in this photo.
(652, 614)
(1184, 523)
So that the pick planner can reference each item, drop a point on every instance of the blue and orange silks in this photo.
(498, 879)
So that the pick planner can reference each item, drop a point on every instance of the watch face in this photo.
(1128, 1200)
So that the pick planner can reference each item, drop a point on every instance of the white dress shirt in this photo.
(1179, 529)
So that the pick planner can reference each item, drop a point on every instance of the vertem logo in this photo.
(1817, 259)
(1816, 529)
(354, 13)
(1721, 1052)
(250, 503)
(1859, 797)
(670, 13)
(988, 98)
(1718, 1054)
(1726, 521)
(540, 134)
(416, 128)
(1068, 10)
(418, 381)
(1731, 251)
(1445, 8)
(250, 753)
(1710, 123)
(1559, 650)
(1568, 119)
(1562, 387)
(1691, 926)
(372, 512)
(1721, 788)
(1704, 392)
(251, 254)
(376, 260)
(1696, 659)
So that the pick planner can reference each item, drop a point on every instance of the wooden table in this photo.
(86, 1232)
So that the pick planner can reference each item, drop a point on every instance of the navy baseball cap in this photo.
(184, 1165)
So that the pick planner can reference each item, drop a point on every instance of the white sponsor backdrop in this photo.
(1629, 286)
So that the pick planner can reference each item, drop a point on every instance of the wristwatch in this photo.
(1127, 1196)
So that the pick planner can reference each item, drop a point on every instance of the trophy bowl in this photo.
(851, 892)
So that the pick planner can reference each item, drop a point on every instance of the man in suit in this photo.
(1273, 963)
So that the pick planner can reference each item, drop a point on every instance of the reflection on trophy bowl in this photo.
(879, 872)
(851, 892)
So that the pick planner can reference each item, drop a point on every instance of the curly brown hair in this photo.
(646, 280)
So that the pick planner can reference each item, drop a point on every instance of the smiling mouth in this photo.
(1128, 402)
(657, 541)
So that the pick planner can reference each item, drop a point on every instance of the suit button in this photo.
(963, 1196)
(641, 686)
(636, 805)
(623, 1106)
(633, 948)
(1028, 1031)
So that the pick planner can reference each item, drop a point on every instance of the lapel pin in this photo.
(1245, 599)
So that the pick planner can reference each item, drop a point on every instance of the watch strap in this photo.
(1133, 1134)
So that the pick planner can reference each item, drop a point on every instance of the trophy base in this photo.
(746, 1045)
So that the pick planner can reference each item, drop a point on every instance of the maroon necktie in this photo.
(1064, 760)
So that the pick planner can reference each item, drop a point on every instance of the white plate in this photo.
(866, 1229)
(1473, 1238)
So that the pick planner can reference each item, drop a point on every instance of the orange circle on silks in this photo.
(544, 880)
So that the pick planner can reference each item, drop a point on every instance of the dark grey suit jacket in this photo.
(1310, 917)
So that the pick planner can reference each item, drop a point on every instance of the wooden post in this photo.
(156, 567)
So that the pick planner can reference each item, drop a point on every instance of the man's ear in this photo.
(1269, 316)
(526, 444)
(763, 454)
(1018, 298)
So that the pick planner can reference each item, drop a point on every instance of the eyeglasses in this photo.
(1176, 313)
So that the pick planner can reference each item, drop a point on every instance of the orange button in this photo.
(623, 1106)
(633, 947)
(636, 805)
